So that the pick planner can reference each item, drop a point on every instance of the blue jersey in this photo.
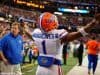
(12, 47)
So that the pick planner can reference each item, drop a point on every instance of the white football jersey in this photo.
(49, 44)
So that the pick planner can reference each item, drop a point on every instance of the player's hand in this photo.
(97, 17)
(5, 61)
(22, 24)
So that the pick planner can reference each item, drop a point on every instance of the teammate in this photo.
(50, 40)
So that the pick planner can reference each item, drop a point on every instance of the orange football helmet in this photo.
(48, 22)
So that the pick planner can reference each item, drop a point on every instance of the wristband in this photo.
(83, 32)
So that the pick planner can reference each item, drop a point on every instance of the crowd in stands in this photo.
(16, 12)
(79, 1)
(32, 15)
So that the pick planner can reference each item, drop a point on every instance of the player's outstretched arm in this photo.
(25, 28)
(82, 31)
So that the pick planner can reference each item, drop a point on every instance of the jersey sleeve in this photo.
(37, 30)
(62, 33)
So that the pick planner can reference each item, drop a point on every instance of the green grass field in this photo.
(30, 69)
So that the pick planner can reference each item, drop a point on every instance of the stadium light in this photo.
(58, 13)
(73, 10)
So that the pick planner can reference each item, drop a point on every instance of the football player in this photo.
(50, 40)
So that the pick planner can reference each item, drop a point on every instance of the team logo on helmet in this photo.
(48, 22)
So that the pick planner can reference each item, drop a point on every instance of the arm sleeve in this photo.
(63, 33)
(2, 43)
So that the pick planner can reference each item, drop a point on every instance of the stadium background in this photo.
(13, 10)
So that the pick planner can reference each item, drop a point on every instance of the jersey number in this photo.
(44, 47)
